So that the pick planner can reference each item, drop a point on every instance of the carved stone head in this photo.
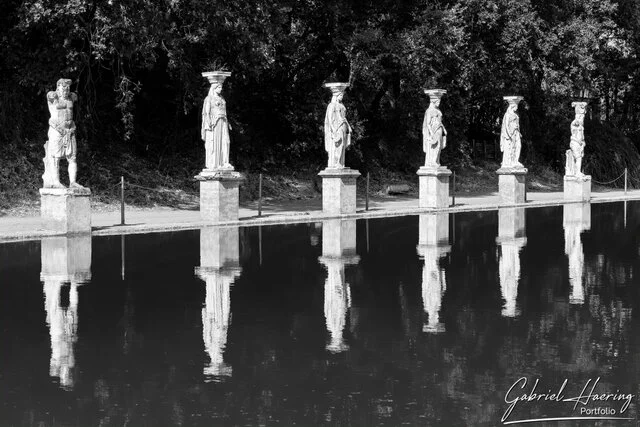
(337, 90)
(63, 87)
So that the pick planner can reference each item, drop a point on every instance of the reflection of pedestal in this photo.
(434, 187)
(433, 229)
(512, 185)
(338, 250)
(577, 188)
(433, 244)
(66, 264)
(219, 195)
(66, 210)
(338, 238)
(576, 219)
(511, 223)
(219, 268)
(339, 190)
(511, 240)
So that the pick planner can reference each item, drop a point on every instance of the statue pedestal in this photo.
(512, 185)
(339, 190)
(434, 187)
(219, 195)
(66, 210)
(577, 188)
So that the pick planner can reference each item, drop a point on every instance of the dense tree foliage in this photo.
(137, 66)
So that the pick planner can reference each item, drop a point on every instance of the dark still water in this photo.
(423, 320)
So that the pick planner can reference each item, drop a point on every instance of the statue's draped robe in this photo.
(215, 129)
(337, 134)
(433, 136)
(510, 139)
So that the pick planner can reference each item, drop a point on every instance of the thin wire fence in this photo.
(123, 185)
(612, 181)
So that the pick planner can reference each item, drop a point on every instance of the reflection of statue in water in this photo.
(510, 137)
(216, 316)
(573, 166)
(219, 268)
(509, 270)
(337, 299)
(434, 284)
(63, 327)
(337, 131)
(65, 265)
(573, 249)
(434, 135)
(215, 129)
(62, 136)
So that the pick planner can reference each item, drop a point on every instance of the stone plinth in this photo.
(339, 190)
(66, 210)
(66, 259)
(512, 185)
(577, 188)
(434, 187)
(219, 195)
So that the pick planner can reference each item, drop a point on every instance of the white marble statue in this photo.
(434, 134)
(337, 300)
(216, 316)
(63, 328)
(510, 137)
(215, 125)
(573, 165)
(337, 131)
(62, 136)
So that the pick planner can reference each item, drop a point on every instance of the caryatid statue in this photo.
(337, 131)
(62, 136)
(573, 165)
(510, 137)
(434, 135)
(215, 125)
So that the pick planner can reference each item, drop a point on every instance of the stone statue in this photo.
(62, 136)
(434, 135)
(510, 137)
(337, 131)
(573, 165)
(215, 129)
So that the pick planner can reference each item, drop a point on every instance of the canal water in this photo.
(452, 319)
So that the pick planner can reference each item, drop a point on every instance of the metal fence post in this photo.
(260, 196)
(453, 191)
(121, 200)
(366, 200)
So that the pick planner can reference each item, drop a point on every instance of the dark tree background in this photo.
(137, 65)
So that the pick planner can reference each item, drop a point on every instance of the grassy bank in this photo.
(149, 184)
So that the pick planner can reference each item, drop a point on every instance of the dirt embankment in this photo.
(145, 188)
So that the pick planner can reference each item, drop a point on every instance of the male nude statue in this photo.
(62, 136)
